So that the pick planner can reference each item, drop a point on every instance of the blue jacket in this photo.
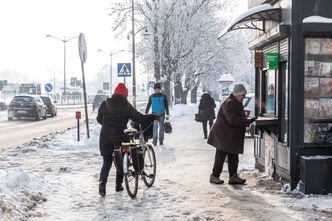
(159, 104)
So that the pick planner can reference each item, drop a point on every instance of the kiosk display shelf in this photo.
(318, 90)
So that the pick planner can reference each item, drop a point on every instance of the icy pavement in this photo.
(56, 178)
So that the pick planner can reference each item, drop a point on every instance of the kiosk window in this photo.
(270, 93)
(283, 109)
(318, 90)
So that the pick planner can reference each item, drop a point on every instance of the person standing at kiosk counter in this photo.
(227, 136)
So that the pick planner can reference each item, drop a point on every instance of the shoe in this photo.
(102, 189)
(235, 179)
(215, 180)
(119, 188)
(161, 143)
(154, 143)
(205, 137)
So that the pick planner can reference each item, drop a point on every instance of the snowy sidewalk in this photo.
(56, 178)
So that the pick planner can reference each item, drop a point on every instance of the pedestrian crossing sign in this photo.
(124, 69)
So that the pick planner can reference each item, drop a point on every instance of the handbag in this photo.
(198, 117)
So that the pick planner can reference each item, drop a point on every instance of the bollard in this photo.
(78, 117)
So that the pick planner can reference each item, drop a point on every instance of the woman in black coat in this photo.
(227, 136)
(206, 110)
(113, 115)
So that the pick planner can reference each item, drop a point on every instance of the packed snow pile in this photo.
(20, 193)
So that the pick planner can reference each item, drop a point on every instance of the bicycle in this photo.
(139, 160)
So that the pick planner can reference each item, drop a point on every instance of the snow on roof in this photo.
(226, 78)
(317, 19)
(249, 12)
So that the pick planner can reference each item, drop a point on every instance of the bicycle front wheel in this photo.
(150, 167)
(130, 176)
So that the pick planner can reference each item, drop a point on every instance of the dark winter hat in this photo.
(157, 85)
(239, 90)
(121, 89)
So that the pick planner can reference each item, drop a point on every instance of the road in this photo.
(17, 132)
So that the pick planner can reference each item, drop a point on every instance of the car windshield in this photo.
(24, 99)
(46, 100)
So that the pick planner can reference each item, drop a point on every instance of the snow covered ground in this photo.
(56, 178)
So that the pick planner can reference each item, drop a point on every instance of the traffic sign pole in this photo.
(83, 56)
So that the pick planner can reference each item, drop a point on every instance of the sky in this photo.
(24, 47)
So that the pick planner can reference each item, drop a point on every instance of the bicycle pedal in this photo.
(151, 176)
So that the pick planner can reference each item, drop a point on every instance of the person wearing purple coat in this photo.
(227, 136)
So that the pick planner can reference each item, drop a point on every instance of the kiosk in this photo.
(293, 89)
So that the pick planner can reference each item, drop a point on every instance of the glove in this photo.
(167, 117)
(252, 120)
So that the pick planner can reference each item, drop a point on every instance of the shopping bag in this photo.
(168, 127)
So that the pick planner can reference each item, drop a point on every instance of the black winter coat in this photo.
(206, 107)
(227, 133)
(113, 115)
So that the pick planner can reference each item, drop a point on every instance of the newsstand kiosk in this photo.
(293, 82)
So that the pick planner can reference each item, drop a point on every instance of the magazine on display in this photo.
(326, 87)
(325, 109)
(311, 108)
(318, 133)
(327, 46)
(326, 69)
(311, 87)
(313, 46)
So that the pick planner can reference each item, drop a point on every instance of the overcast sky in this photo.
(25, 49)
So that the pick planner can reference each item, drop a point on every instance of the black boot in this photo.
(102, 188)
(119, 188)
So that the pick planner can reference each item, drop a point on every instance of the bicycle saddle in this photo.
(130, 131)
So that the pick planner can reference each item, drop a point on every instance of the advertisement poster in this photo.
(326, 87)
(311, 87)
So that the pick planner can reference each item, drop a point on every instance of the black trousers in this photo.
(233, 162)
(107, 164)
(205, 126)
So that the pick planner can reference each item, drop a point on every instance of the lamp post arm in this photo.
(70, 38)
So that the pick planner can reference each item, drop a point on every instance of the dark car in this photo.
(27, 106)
(50, 104)
(99, 98)
(3, 106)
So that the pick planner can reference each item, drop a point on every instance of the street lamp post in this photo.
(64, 40)
(110, 54)
(134, 67)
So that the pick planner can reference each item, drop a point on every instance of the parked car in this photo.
(27, 106)
(50, 104)
(3, 106)
(99, 98)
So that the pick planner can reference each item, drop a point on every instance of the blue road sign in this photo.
(124, 69)
(48, 87)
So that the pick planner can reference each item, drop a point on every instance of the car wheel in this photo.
(10, 118)
(37, 117)
(45, 116)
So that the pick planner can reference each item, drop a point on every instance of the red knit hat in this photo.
(121, 89)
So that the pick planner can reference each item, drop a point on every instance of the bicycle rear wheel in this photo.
(130, 176)
(150, 167)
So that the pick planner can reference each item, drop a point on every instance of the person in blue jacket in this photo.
(159, 104)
